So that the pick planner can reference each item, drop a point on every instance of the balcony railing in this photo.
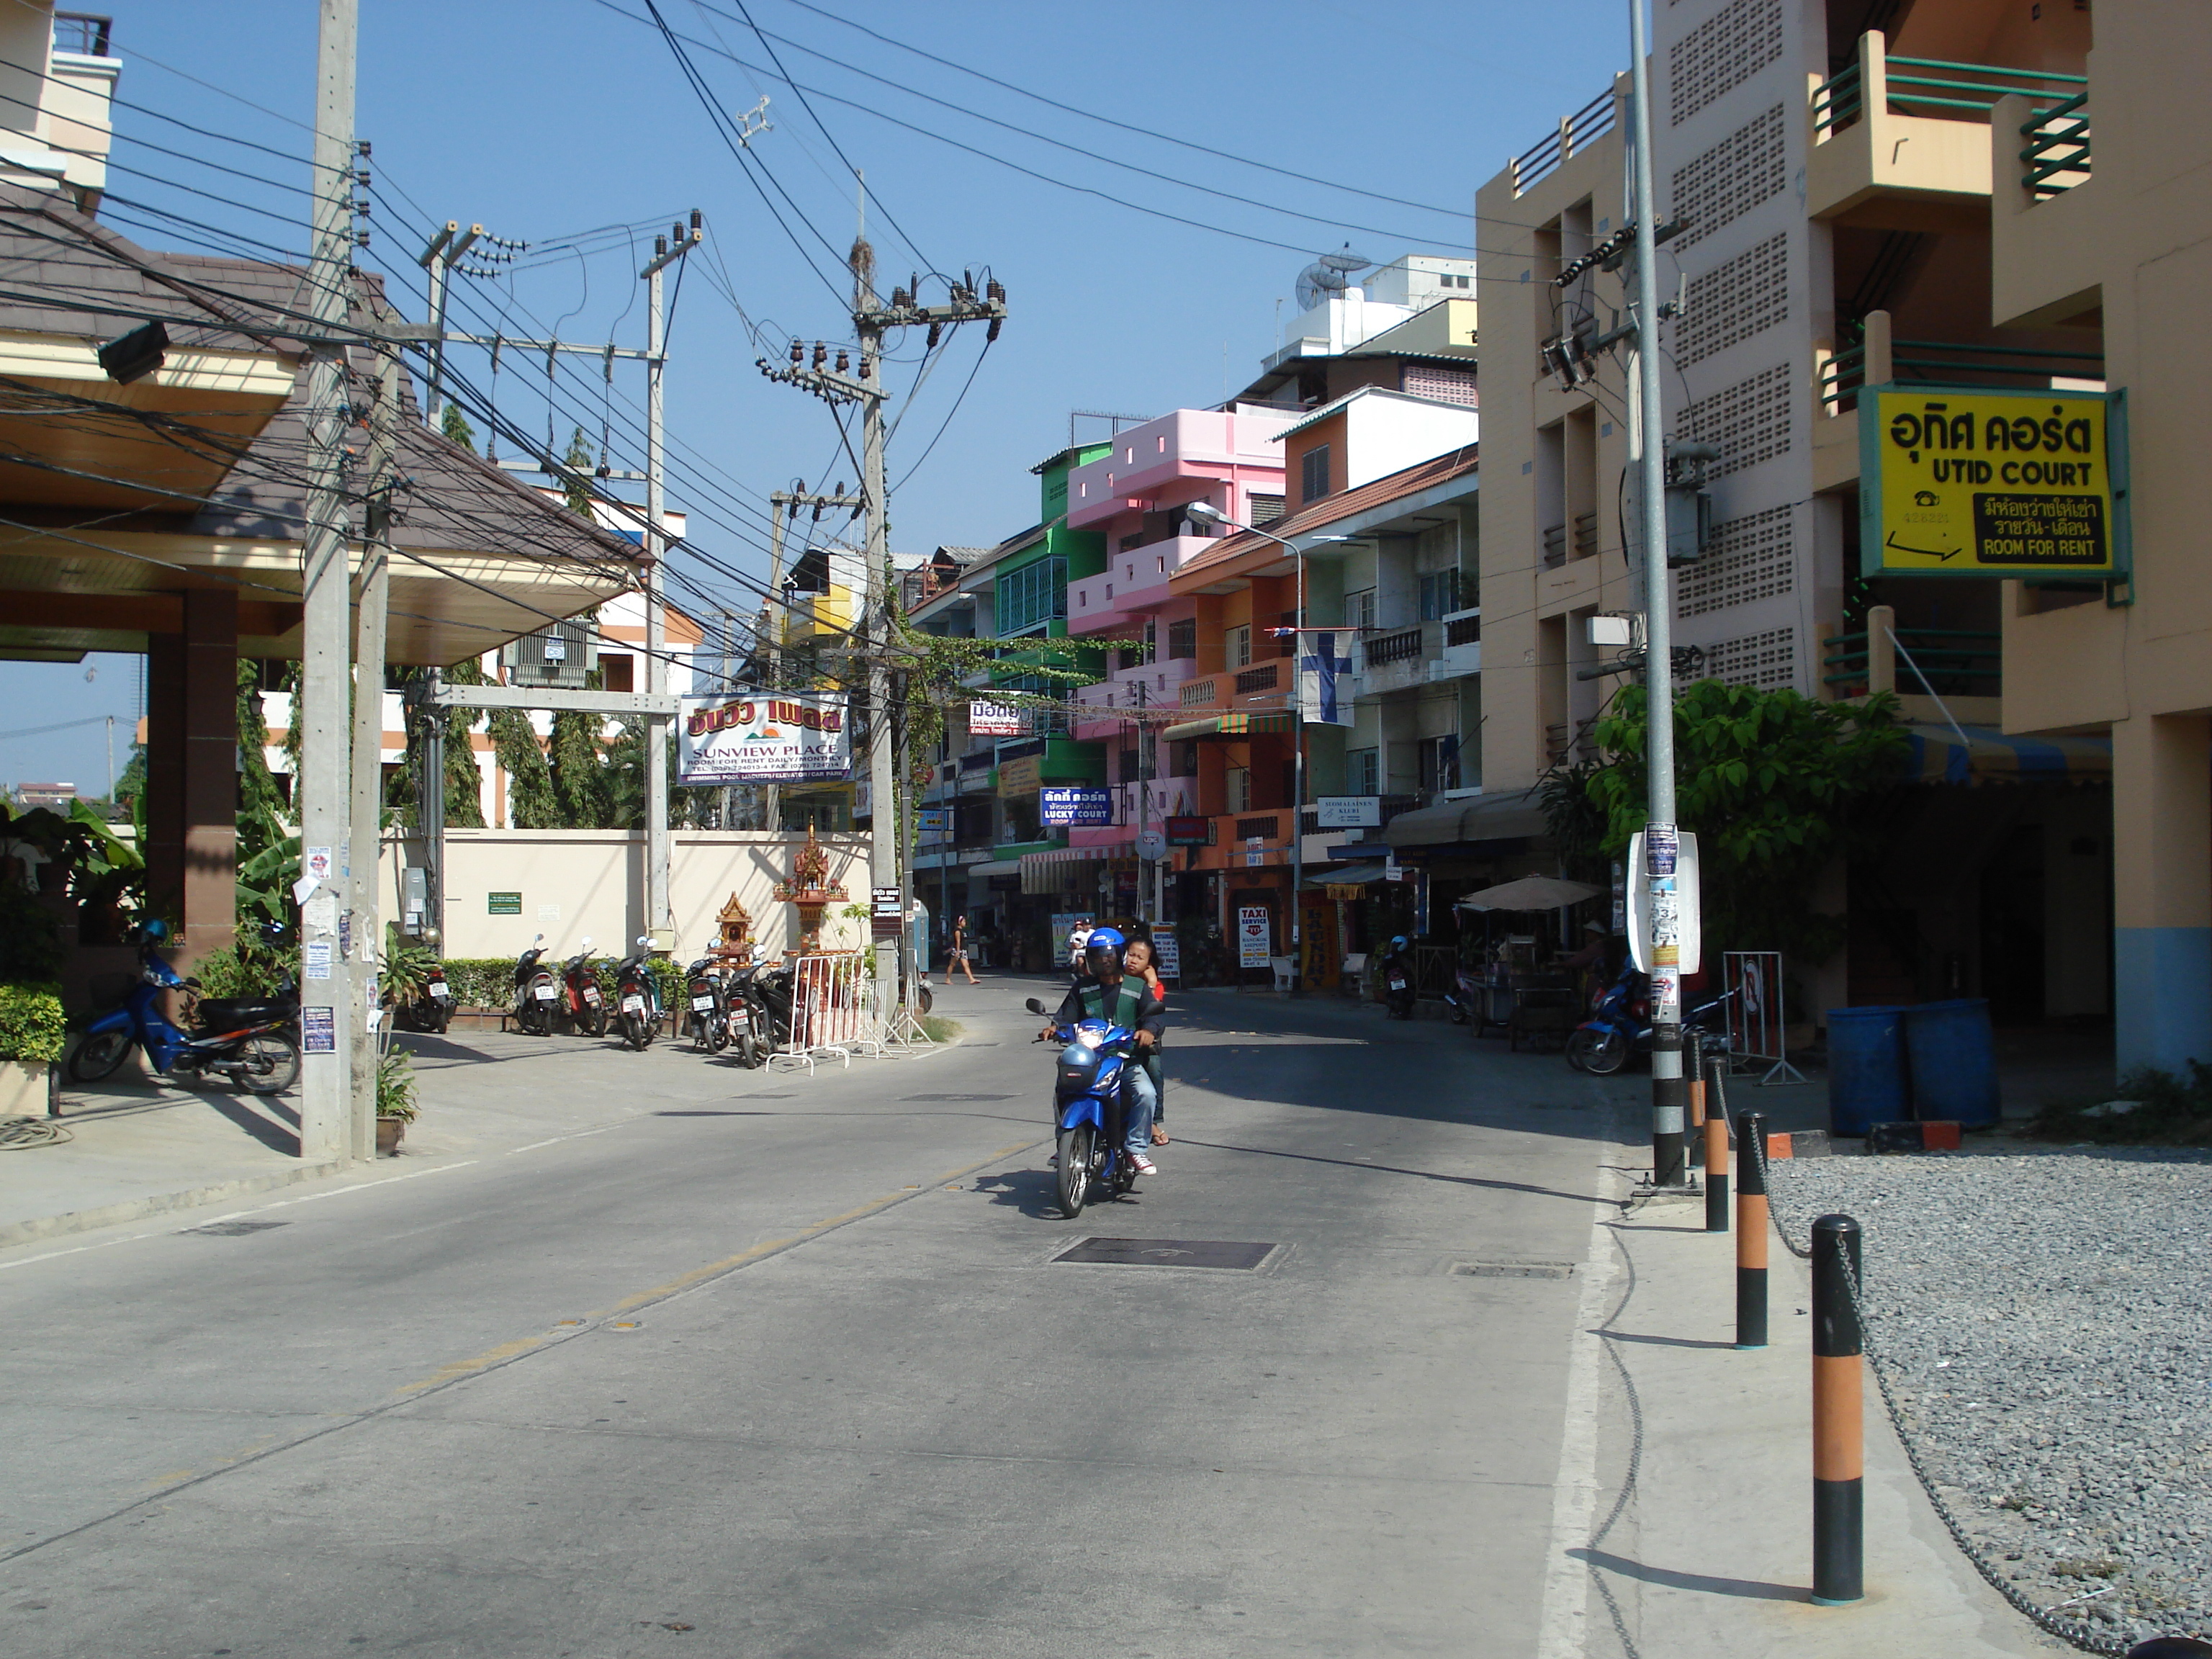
(1195, 694)
(2058, 153)
(1571, 136)
(1555, 546)
(1394, 647)
(82, 32)
(1957, 664)
(1930, 86)
(1264, 828)
(1585, 534)
(1941, 362)
(1464, 630)
(1253, 681)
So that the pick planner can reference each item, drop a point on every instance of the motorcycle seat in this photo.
(234, 1013)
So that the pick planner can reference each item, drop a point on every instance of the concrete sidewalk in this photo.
(1710, 1552)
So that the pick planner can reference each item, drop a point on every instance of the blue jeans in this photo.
(1140, 1100)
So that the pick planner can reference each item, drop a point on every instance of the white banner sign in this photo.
(1348, 812)
(995, 719)
(762, 738)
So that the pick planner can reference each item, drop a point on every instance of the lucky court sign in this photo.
(1958, 483)
(758, 738)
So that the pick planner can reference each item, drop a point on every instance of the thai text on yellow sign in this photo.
(1021, 777)
(1986, 484)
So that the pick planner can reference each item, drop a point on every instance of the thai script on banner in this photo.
(764, 738)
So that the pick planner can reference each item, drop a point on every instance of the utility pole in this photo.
(1669, 1091)
(659, 920)
(447, 245)
(325, 830)
(372, 591)
(873, 321)
(1147, 747)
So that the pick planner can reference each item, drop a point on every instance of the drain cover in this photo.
(1514, 1269)
(1168, 1253)
(235, 1229)
(903, 1099)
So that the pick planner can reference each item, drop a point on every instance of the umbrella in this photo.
(1529, 893)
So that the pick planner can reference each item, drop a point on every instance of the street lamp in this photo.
(1206, 513)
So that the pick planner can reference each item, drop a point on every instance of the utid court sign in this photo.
(1961, 482)
(759, 737)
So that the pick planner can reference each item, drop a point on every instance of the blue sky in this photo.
(546, 120)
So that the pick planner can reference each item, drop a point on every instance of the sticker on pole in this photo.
(318, 1030)
(1667, 920)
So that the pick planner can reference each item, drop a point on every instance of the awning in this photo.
(1361, 878)
(1989, 755)
(1530, 893)
(1227, 726)
(1041, 871)
(1512, 815)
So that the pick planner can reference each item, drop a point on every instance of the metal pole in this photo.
(374, 588)
(1145, 768)
(326, 1084)
(772, 800)
(1659, 835)
(1298, 786)
(430, 790)
(658, 917)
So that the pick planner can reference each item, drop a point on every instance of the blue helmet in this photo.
(1102, 951)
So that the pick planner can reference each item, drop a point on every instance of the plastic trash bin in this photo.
(1868, 1082)
(1953, 1061)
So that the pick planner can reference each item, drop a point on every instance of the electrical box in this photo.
(1689, 523)
(413, 899)
(558, 657)
(1611, 631)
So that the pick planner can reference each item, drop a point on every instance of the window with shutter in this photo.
(1313, 474)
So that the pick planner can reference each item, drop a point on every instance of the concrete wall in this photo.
(579, 882)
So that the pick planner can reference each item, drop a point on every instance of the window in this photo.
(618, 670)
(1182, 639)
(1439, 593)
(1183, 758)
(1439, 763)
(1313, 473)
(1362, 771)
(1237, 782)
(1127, 772)
(1263, 509)
(1238, 647)
(1359, 609)
(1032, 595)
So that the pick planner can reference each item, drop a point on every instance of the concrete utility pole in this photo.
(1669, 1091)
(659, 919)
(372, 590)
(326, 993)
(872, 321)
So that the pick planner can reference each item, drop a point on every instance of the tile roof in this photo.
(1408, 480)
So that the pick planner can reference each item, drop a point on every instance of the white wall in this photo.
(1387, 432)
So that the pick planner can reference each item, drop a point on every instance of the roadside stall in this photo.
(1513, 985)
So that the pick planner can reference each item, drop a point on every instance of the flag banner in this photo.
(754, 738)
(995, 719)
(1324, 677)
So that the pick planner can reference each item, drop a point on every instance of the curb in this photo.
(134, 1209)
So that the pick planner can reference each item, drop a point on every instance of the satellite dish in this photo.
(1329, 276)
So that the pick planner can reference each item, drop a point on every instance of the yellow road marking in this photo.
(462, 1367)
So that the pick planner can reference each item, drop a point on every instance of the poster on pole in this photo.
(1678, 901)
(764, 738)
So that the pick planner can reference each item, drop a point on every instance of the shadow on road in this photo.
(1752, 1588)
(1388, 1168)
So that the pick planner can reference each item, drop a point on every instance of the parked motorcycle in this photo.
(586, 1007)
(248, 1039)
(1398, 981)
(1086, 1104)
(1466, 997)
(535, 992)
(1620, 1025)
(431, 1009)
(767, 992)
(637, 996)
(742, 1018)
(707, 1018)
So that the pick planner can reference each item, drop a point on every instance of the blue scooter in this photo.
(248, 1040)
(1620, 1025)
(1087, 1111)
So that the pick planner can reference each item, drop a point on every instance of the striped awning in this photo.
(1041, 871)
(1228, 726)
(1989, 755)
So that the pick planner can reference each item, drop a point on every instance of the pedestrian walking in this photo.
(958, 958)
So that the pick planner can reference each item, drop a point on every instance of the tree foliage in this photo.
(1767, 781)
(531, 803)
(455, 425)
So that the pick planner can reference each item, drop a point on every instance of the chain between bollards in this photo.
(1751, 1236)
(1839, 1415)
(1717, 1142)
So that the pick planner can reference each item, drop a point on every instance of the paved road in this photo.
(749, 1365)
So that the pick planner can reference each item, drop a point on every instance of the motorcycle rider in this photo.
(1105, 994)
(1398, 960)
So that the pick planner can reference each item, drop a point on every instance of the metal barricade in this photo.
(1757, 1016)
(831, 1009)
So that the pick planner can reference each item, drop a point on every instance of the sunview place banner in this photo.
(764, 738)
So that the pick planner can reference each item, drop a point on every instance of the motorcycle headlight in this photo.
(1078, 1067)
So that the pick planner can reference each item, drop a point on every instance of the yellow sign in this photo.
(1957, 483)
(1021, 777)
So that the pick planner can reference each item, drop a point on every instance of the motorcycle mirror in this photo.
(587, 941)
(1034, 1005)
(644, 939)
(539, 940)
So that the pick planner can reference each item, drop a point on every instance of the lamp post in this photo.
(1206, 513)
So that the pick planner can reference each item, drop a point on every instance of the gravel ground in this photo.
(2044, 1320)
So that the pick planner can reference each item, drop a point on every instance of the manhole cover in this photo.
(1168, 1253)
(709, 1111)
(1514, 1269)
(903, 1099)
(235, 1229)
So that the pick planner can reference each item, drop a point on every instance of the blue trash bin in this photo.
(1868, 1082)
(1952, 1061)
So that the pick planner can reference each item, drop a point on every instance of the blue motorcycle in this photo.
(251, 1041)
(1620, 1025)
(1087, 1111)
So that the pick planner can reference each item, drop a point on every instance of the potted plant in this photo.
(395, 1105)
(32, 1032)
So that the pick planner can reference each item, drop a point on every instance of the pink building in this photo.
(1135, 495)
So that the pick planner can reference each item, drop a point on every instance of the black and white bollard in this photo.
(1717, 1143)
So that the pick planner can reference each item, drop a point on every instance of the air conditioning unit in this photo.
(555, 659)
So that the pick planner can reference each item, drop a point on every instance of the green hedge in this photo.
(32, 1024)
(488, 982)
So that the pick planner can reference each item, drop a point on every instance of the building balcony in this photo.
(1938, 674)
(1134, 584)
(1398, 658)
(2048, 237)
(1177, 448)
(1903, 144)
(1100, 709)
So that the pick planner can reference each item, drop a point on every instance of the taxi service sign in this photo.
(1974, 483)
